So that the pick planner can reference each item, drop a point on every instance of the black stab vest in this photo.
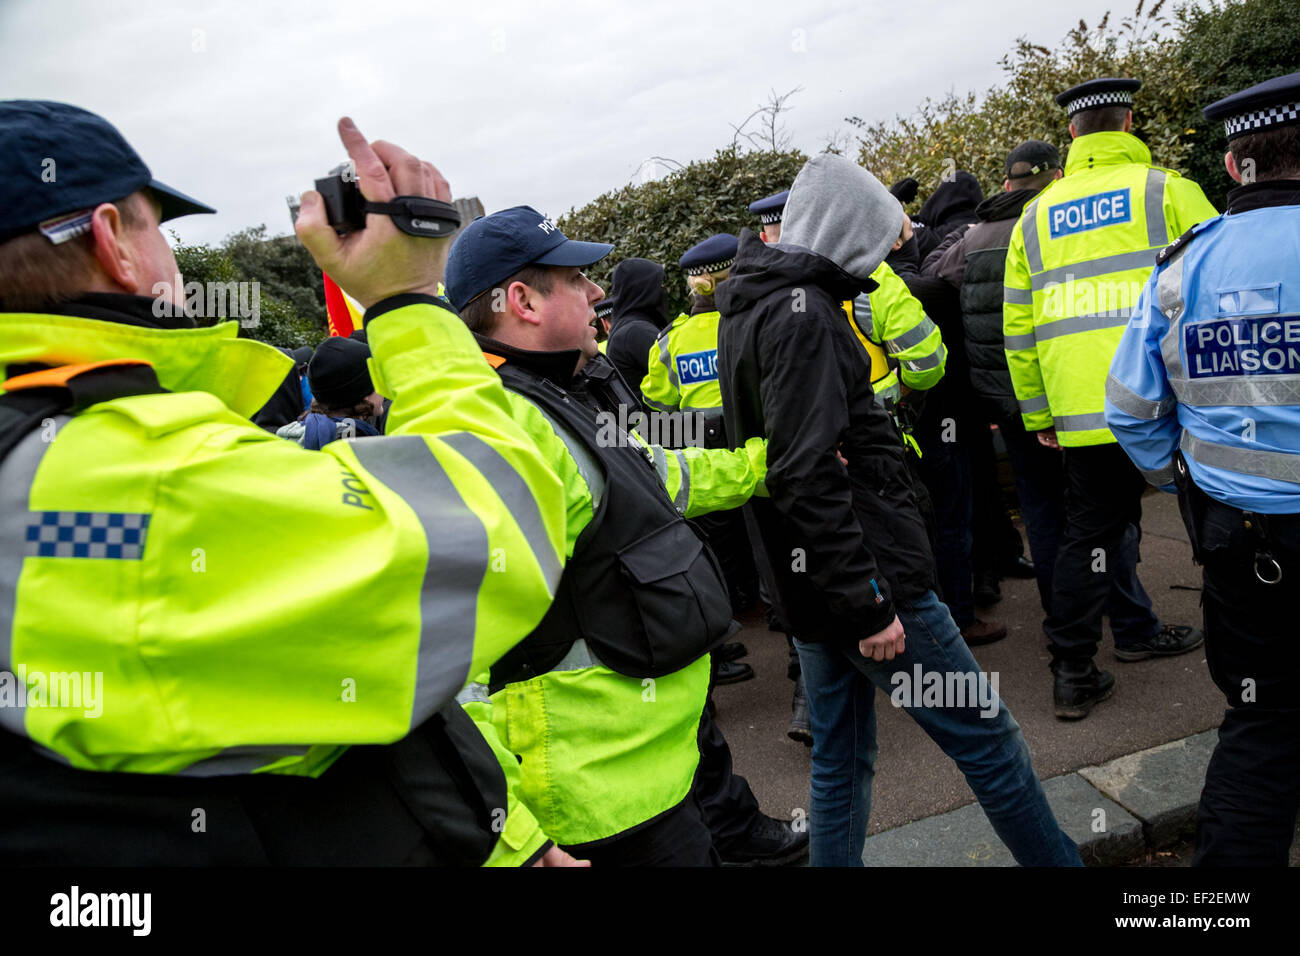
(642, 588)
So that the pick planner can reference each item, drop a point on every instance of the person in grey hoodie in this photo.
(841, 532)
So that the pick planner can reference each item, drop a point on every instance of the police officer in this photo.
(150, 534)
(1203, 396)
(604, 309)
(769, 211)
(603, 702)
(682, 383)
(1077, 260)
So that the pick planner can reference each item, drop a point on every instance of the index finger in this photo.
(372, 175)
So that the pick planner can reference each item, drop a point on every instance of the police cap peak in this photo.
(56, 158)
(1266, 105)
(1099, 93)
(769, 209)
(714, 254)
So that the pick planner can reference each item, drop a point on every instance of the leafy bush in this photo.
(1231, 46)
(976, 133)
(662, 219)
(291, 309)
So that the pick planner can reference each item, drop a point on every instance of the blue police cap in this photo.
(1268, 105)
(770, 208)
(604, 307)
(1095, 94)
(495, 247)
(57, 159)
(712, 255)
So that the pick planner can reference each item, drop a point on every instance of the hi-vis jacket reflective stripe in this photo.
(1078, 259)
(222, 633)
(601, 752)
(1211, 363)
(891, 320)
(683, 365)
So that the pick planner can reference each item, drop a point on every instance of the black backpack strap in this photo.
(23, 408)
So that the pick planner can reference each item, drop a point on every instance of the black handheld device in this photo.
(346, 208)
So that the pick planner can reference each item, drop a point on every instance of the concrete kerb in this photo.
(1115, 812)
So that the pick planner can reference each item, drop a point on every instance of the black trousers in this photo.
(677, 837)
(1098, 555)
(1248, 808)
(727, 803)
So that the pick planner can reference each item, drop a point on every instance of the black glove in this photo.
(905, 190)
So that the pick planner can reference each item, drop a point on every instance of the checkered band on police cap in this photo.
(1256, 120)
(1094, 101)
(768, 218)
(710, 267)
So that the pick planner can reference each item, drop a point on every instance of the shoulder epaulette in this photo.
(1178, 245)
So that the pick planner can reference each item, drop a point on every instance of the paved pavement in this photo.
(1155, 702)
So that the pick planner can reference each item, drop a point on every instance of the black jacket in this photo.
(843, 542)
(973, 261)
(640, 311)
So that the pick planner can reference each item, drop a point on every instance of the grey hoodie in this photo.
(839, 210)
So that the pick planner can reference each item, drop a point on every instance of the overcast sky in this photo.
(548, 104)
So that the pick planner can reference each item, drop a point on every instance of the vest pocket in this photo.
(681, 599)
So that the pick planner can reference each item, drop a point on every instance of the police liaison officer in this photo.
(1203, 395)
(1077, 258)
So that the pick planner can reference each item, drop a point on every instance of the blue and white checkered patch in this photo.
(86, 534)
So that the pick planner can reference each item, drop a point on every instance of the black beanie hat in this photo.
(337, 372)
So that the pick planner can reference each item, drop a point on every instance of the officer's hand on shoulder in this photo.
(380, 260)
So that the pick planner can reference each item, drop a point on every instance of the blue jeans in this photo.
(982, 737)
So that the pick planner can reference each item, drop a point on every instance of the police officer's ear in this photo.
(522, 301)
(113, 244)
(1128, 121)
(1230, 164)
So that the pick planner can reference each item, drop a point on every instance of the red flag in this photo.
(342, 319)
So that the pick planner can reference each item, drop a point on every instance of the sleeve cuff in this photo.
(401, 300)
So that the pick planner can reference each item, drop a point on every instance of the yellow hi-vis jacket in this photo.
(599, 752)
(1078, 259)
(891, 323)
(683, 365)
(242, 605)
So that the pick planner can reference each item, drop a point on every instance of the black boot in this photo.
(1078, 686)
(800, 729)
(988, 589)
(770, 842)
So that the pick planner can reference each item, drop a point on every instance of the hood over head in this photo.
(638, 292)
(839, 210)
(959, 195)
(763, 268)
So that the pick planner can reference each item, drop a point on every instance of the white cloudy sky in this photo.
(548, 104)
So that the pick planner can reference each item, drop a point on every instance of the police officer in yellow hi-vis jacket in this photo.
(1078, 258)
(164, 643)
(603, 702)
